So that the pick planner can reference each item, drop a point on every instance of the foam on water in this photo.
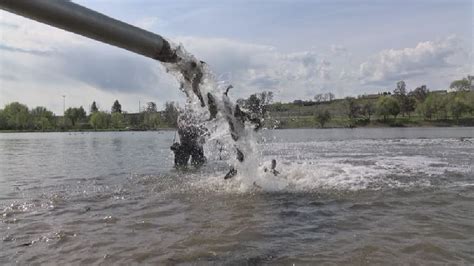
(335, 174)
(330, 165)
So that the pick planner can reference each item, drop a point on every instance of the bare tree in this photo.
(331, 96)
(420, 93)
(151, 107)
(318, 98)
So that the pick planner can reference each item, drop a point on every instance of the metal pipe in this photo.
(72, 17)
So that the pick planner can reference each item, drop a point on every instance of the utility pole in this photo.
(139, 106)
(64, 109)
(64, 105)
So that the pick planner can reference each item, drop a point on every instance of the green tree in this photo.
(135, 120)
(409, 105)
(94, 108)
(434, 105)
(368, 108)
(3, 120)
(386, 106)
(116, 107)
(441, 104)
(352, 108)
(457, 106)
(171, 114)
(75, 115)
(322, 117)
(153, 120)
(17, 116)
(42, 118)
(406, 103)
(100, 120)
(257, 103)
(151, 107)
(265, 97)
(117, 120)
(420, 93)
(469, 97)
(401, 88)
(425, 108)
(461, 84)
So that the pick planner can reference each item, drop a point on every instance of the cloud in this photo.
(338, 49)
(8, 77)
(148, 23)
(51, 57)
(40, 61)
(426, 57)
(253, 67)
(113, 70)
(4, 24)
(77, 58)
(22, 33)
(20, 50)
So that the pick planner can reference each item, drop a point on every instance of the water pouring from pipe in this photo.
(207, 105)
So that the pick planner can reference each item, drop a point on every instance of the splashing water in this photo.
(210, 107)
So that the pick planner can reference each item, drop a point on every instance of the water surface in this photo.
(344, 196)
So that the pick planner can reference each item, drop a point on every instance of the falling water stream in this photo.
(210, 106)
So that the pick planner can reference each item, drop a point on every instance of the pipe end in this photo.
(166, 54)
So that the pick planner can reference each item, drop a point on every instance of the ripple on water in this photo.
(342, 202)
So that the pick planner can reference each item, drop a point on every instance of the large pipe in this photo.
(72, 17)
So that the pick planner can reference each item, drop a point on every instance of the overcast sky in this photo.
(294, 48)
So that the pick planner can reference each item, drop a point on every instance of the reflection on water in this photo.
(343, 196)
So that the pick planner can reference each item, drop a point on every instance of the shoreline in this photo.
(85, 130)
(402, 122)
(427, 125)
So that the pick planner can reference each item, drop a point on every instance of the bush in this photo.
(100, 120)
(322, 117)
(386, 105)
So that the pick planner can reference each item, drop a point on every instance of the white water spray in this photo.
(204, 93)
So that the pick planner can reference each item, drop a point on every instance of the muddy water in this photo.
(356, 196)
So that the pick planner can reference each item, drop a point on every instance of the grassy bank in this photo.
(285, 122)
(432, 109)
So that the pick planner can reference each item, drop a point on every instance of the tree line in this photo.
(387, 106)
(420, 101)
(17, 116)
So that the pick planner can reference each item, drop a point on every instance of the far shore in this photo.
(303, 123)
(86, 130)
(311, 122)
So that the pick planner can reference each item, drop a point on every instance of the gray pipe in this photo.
(83, 21)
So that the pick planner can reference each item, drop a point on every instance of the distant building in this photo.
(369, 96)
(440, 92)
(298, 102)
